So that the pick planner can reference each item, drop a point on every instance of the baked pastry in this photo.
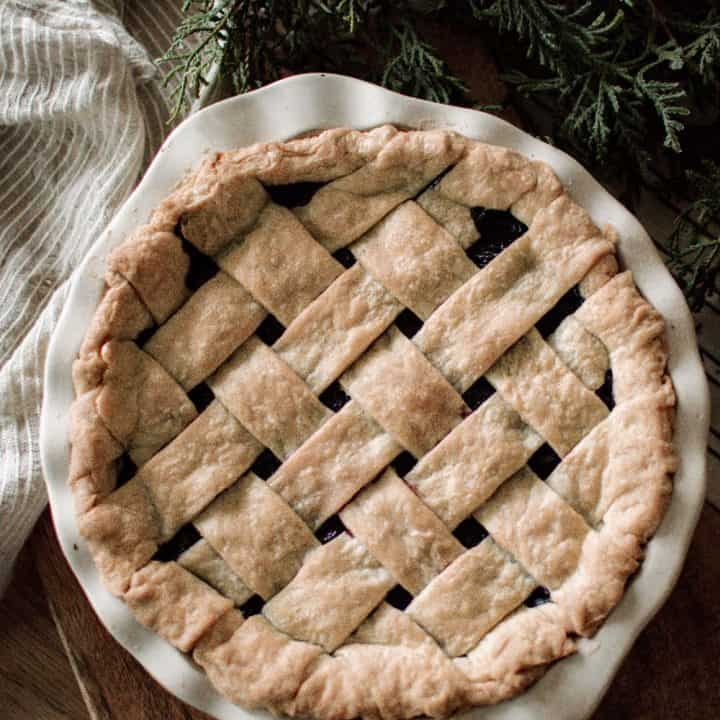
(370, 423)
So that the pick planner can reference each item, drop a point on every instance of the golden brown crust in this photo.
(175, 604)
(280, 263)
(327, 644)
(154, 263)
(257, 534)
(401, 531)
(398, 387)
(345, 454)
(268, 398)
(205, 330)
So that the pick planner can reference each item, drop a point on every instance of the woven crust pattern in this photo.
(346, 403)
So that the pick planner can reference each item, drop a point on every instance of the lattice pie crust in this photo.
(373, 323)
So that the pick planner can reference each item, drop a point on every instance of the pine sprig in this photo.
(412, 67)
(603, 70)
(254, 42)
(668, 99)
(699, 43)
(694, 252)
(553, 32)
(191, 64)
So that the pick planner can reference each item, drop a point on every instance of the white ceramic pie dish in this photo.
(573, 687)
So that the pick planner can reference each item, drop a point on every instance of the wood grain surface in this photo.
(57, 660)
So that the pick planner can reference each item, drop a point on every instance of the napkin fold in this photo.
(82, 112)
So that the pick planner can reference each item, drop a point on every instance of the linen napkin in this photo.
(82, 112)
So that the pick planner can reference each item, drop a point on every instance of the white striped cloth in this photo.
(81, 113)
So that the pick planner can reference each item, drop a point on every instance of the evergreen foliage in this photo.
(630, 87)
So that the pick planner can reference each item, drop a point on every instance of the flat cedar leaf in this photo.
(694, 252)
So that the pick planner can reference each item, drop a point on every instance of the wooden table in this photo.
(57, 661)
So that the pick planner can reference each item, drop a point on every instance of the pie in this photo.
(371, 424)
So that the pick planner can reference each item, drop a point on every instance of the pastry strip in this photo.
(482, 319)
(418, 261)
(581, 351)
(238, 649)
(122, 533)
(397, 386)
(549, 397)
(387, 625)
(410, 682)
(346, 453)
(453, 216)
(224, 205)
(547, 189)
(468, 465)
(604, 270)
(489, 176)
(268, 398)
(337, 328)
(401, 532)
(335, 590)
(586, 570)
(257, 534)
(536, 526)
(470, 597)
(619, 475)
(201, 560)
(280, 264)
(217, 635)
(632, 330)
(207, 457)
(205, 330)
(173, 603)
(121, 315)
(94, 447)
(88, 490)
(343, 210)
(155, 264)
(139, 402)
(515, 653)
